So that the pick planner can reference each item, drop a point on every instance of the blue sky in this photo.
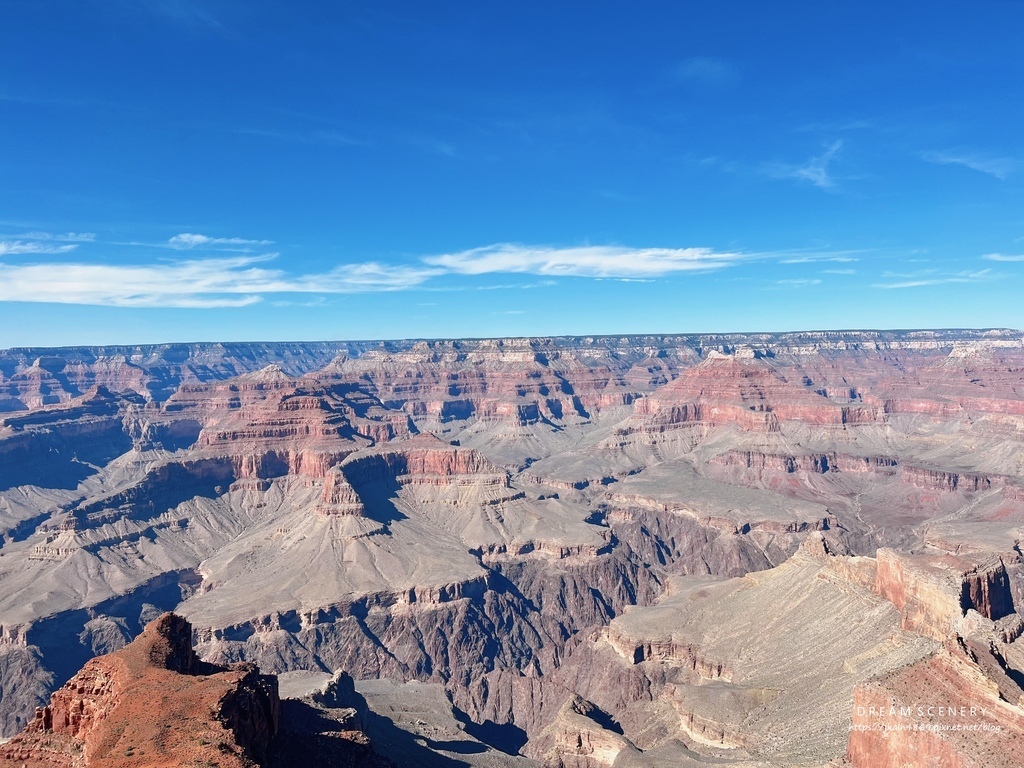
(176, 170)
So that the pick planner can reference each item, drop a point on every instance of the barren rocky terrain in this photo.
(731, 550)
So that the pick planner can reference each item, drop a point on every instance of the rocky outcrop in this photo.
(580, 737)
(518, 382)
(947, 481)
(818, 463)
(934, 592)
(326, 727)
(339, 497)
(725, 667)
(742, 391)
(418, 459)
(426, 461)
(153, 703)
(942, 711)
(56, 445)
(153, 371)
(538, 608)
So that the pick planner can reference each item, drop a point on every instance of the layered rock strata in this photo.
(152, 704)
(479, 515)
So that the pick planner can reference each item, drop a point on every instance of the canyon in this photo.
(795, 549)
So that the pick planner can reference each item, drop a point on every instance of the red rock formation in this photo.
(153, 704)
(272, 424)
(933, 592)
(40, 384)
(942, 711)
(519, 381)
(883, 434)
(579, 739)
(816, 462)
(423, 460)
(339, 497)
(743, 391)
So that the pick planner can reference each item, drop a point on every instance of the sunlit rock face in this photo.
(609, 550)
(153, 703)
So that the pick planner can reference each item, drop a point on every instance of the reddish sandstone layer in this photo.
(743, 391)
(339, 498)
(424, 460)
(933, 592)
(271, 424)
(942, 712)
(152, 704)
(521, 381)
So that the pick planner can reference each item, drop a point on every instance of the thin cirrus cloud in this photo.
(818, 259)
(199, 283)
(1003, 257)
(965, 276)
(43, 243)
(799, 283)
(1000, 167)
(815, 171)
(19, 247)
(583, 261)
(189, 240)
(237, 281)
(65, 237)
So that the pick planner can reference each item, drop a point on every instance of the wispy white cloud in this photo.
(189, 240)
(814, 171)
(965, 276)
(839, 271)
(583, 261)
(799, 283)
(1000, 167)
(43, 243)
(816, 259)
(1003, 257)
(65, 237)
(241, 280)
(219, 282)
(18, 247)
(192, 241)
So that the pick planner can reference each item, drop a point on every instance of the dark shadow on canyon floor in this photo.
(508, 738)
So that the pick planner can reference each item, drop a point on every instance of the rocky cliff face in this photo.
(942, 711)
(934, 592)
(488, 517)
(745, 391)
(153, 703)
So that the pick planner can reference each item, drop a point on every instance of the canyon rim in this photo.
(750, 550)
